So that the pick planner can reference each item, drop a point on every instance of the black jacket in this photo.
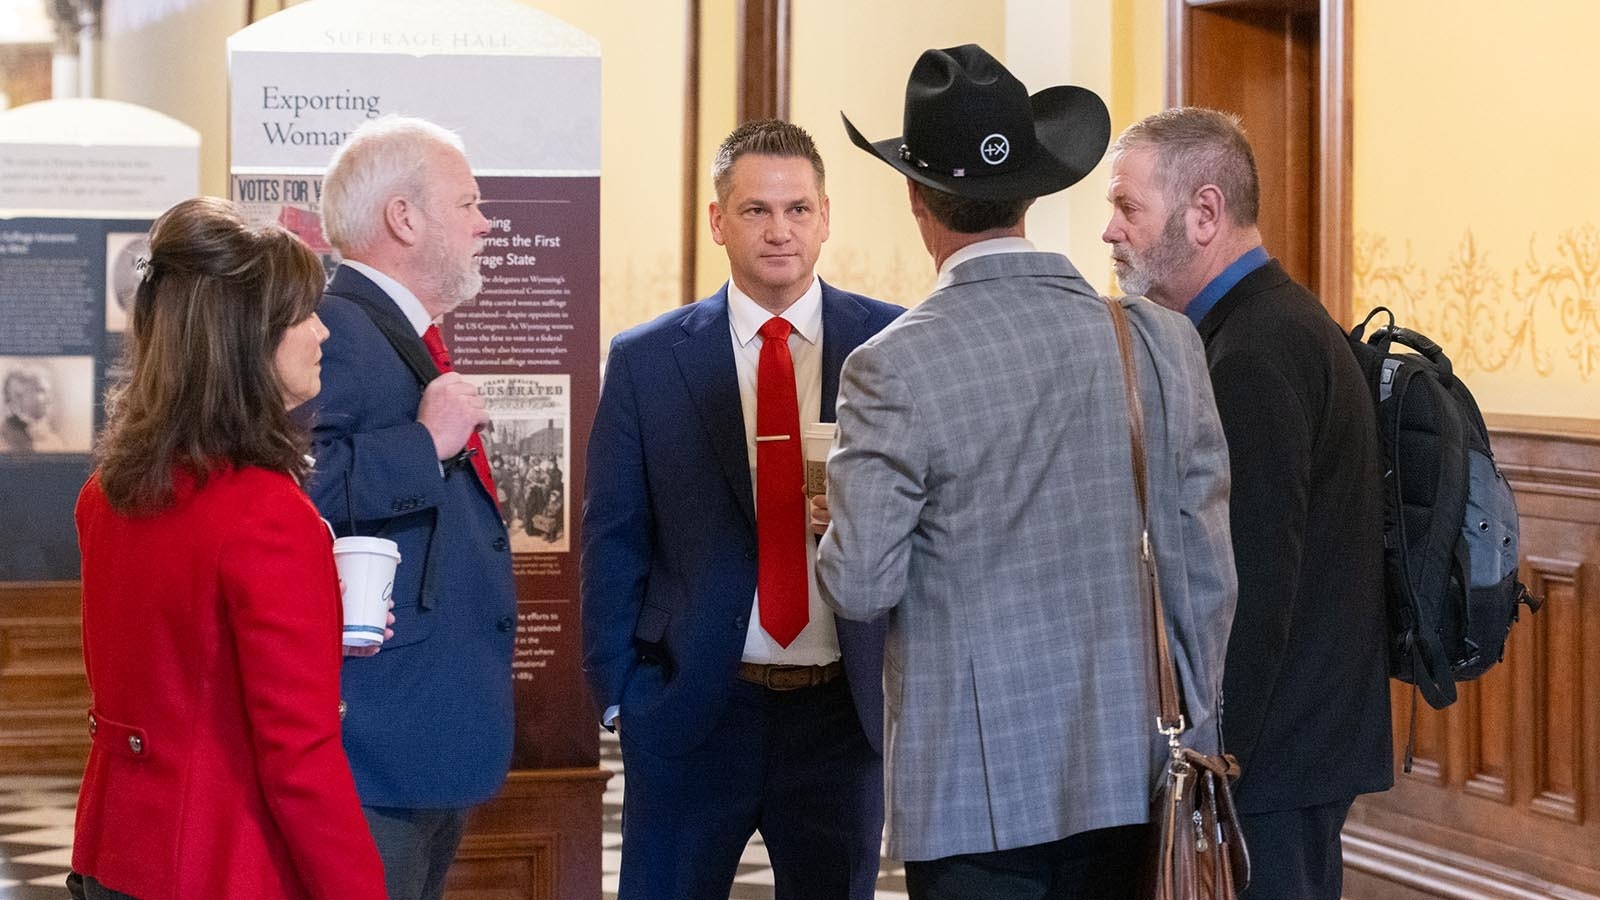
(1305, 690)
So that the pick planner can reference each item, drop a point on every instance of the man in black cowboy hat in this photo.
(982, 497)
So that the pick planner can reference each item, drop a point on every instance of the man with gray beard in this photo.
(1305, 688)
(428, 721)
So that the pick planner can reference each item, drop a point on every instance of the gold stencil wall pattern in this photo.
(1539, 316)
(1475, 190)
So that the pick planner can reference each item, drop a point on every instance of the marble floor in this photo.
(36, 840)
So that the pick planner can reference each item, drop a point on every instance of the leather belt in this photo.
(789, 678)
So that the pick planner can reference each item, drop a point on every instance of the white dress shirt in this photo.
(981, 248)
(818, 643)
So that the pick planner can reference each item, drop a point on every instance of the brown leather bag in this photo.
(1196, 851)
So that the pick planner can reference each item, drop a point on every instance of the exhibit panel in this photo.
(80, 182)
(522, 89)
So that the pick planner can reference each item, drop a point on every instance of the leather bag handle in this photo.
(1170, 721)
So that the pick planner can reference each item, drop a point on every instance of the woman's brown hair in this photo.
(201, 392)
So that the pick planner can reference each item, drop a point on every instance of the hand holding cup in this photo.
(372, 649)
(366, 567)
(820, 517)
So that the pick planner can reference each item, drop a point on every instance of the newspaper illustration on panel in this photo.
(529, 448)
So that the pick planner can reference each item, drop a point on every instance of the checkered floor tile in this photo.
(36, 840)
(754, 879)
(35, 836)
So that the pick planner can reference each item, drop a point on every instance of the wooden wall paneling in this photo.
(1427, 766)
(522, 846)
(44, 695)
(1557, 704)
(1485, 716)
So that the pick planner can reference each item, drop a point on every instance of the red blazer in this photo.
(211, 640)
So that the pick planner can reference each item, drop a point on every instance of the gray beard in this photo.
(1137, 274)
(454, 283)
(1135, 282)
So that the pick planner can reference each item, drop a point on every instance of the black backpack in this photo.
(1450, 521)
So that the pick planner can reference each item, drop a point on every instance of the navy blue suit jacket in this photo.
(429, 719)
(669, 535)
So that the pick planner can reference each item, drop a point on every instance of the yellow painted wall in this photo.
(846, 55)
(177, 64)
(1477, 194)
(1123, 44)
(856, 57)
(719, 61)
(643, 55)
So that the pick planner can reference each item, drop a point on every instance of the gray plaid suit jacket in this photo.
(982, 499)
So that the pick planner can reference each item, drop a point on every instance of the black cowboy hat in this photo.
(972, 130)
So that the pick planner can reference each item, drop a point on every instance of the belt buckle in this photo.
(778, 678)
(788, 678)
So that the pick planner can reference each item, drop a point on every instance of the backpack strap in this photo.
(409, 347)
(401, 337)
(1427, 574)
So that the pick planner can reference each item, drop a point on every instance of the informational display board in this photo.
(80, 183)
(523, 90)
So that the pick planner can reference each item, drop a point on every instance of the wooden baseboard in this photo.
(538, 840)
(1380, 864)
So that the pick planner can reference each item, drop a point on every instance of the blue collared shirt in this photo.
(1232, 275)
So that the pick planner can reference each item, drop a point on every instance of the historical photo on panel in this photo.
(46, 404)
(126, 252)
(528, 442)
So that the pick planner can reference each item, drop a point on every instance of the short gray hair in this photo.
(382, 158)
(1196, 147)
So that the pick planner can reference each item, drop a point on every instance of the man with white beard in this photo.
(428, 720)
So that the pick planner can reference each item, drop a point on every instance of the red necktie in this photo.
(480, 460)
(780, 491)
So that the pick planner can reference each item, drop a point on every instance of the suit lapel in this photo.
(844, 327)
(705, 359)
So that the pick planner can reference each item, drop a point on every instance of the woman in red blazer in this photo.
(211, 614)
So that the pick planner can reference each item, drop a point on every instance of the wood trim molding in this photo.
(538, 839)
(689, 250)
(1177, 51)
(1335, 155)
(763, 91)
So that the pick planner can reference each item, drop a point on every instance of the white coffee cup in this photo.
(818, 443)
(366, 581)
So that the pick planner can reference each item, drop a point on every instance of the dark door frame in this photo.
(1332, 185)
